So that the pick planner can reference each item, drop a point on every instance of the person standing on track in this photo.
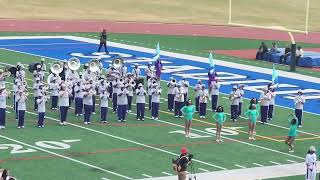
(103, 41)
(252, 114)
(188, 110)
(311, 163)
(220, 118)
(292, 132)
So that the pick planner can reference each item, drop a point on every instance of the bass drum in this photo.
(33, 66)
(12, 70)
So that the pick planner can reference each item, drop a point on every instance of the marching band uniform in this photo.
(17, 94)
(15, 91)
(122, 102)
(203, 100)
(136, 73)
(241, 92)
(3, 106)
(234, 97)
(55, 77)
(151, 84)
(20, 74)
(130, 95)
(64, 94)
(72, 77)
(35, 87)
(87, 104)
(156, 93)
(141, 102)
(299, 101)
(265, 98)
(93, 87)
(178, 100)
(38, 73)
(21, 108)
(215, 87)
(104, 97)
(54, 87)
(197, 89)
(2, 79)
(271, 104)
(185, 86)
(149, 71)
(78, 90)
(41, 101)
(115, 86)
(171, 87)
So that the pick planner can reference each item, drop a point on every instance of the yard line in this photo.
(167, 173)
(105, 178)
(146, 175)
(127, 140)
(243, 167)
(257, 164)
(64, 157)
(291, 161)
(275, 163)
(48, 44)
(203, 170)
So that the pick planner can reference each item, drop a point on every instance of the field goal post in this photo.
(280, 28)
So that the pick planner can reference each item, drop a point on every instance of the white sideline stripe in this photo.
(276, 163)
(146, 175)
(203, 170)
(257, 164)
(48, 44)
(167, 173)
(64, 157)
(291, 161)
(243, 167)
(127, 140)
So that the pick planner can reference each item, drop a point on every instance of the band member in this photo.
(214, 90)
(156, 93)
(41, 109)
(16, 95)
(171, 85)
(92, 84)
(15, 91)
(185, 84)
(38, 73)
(149, 71)
(252, 114)
(104, 97)
(54, 87)
(203, 100)
(21, 108)
(52, 77)
(241, 92)
(122, 102)
(130, 87)
(72, 77)
(178, 100)
(292, 132)
(265, 98)
(152, 84)
(188, 110)
(197, 89)
(272, 102)
(43, 65)
(220, 118)
(136, 72)
(64, 94)
(299, 101)
(78, 90)
(115, 89)
(103, 41)
(311, 163)
(3, 105)
(234, 98)
(20, 73)
(87, 103)
(2, 78)
(141, 102)
(35, 87)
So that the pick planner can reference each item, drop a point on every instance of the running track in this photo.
(14, 25)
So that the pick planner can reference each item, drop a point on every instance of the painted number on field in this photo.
(231, 131)
(18, 149)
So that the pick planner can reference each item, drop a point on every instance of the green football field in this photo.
(136, 150)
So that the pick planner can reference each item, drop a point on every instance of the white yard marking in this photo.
(167, 173)
(203, 170)
(291, 161)
(72, 140)
(240, 166)
(146, 175)
(276, 163)
(64, 157)
(105, 178)
(257, 164)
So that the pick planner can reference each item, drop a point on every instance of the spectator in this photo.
(263, 49)
(274, 48)
(287, 52)
(299, 54)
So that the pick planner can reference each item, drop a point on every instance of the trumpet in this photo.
(173, 82)
(133, 83)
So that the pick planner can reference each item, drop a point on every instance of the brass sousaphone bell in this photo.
(74, 63)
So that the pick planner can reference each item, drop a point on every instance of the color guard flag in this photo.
(158, 64)
(274, 75)
(211, 61)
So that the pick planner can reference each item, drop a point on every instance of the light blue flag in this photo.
(211, 61)
(157, 53)
(274, 75)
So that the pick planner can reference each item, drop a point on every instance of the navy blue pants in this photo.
(185, 97)
(21, 117)
(170, 101)
(103, 113)
(177, 107)
(14, 104)
(270, 112)
(41, 118)
(87, 112)
(298, 113)
(35, 103)
(122, 110)
(240, 109)
(70, 100)
(264, 113)
(63, 113)
(234, 111)
(2, 116)
(104, 44)
(114, 102)
(129, 102)
(78, 106)
(93, 108)
(54, 102)
(140, 110)
(110, 91)
(155, 109)
(149, 102)
(17, 113)
(203, 109)
(214, 102)
(197, 103)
